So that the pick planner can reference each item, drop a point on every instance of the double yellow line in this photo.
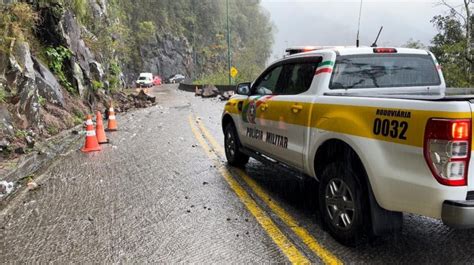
(286, 246)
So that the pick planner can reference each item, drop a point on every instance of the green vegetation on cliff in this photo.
(61, 59)
(16, 22)
(199, 25)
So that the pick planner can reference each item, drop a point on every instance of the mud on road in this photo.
(158, 193)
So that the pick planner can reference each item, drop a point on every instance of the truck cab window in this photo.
(267, 84)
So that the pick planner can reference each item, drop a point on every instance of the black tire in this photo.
(344, 204)
(232, 145)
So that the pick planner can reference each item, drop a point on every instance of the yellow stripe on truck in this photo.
(354, 120)
(360, 121)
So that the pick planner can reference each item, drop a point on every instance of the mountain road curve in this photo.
(162, 192)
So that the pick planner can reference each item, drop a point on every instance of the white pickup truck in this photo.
(375, 126)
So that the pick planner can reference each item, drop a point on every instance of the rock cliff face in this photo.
(166, 55)
(31, 96)
(36, 100)
(43, 90)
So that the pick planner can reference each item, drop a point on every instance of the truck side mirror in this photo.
(243, 89)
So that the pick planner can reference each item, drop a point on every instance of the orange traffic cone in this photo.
(91, 144)
(112, 124)
(99, 129)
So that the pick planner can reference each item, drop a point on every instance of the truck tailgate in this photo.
(470, 180)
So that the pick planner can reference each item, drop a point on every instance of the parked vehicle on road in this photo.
(157, 80)
(145, 80)
(377, 128)
(178, 78)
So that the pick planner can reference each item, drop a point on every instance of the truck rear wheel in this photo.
(343, 204)
(232, 145)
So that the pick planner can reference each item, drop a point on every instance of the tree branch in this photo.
(443, 2)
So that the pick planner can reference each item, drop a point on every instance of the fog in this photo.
(319, 22)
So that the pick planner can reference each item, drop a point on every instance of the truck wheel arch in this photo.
(335, 149)
(382, 221)
(227, 119)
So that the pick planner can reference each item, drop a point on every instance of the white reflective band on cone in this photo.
(89, 122)
(111, 109)
(90, 133)
(112, 117)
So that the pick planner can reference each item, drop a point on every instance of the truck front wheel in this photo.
(343, 204)
(232, 145)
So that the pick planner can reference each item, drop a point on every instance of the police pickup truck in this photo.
(377, 128)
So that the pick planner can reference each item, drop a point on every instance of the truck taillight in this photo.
(447, 150)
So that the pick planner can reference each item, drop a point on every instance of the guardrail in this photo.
(192, 88)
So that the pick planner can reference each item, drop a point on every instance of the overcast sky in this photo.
(326, 22)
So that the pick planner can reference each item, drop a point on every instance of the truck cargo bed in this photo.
(450, 94)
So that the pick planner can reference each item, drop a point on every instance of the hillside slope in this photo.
(61, 59)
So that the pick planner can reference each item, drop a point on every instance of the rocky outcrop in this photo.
(48, 29)
(36, 98)
(72, 34)
(78, 79)
(96, 71)
(6, 122)
(48, 86)
(167, 55)
(61, 28)
(99, 8)
(22, 78)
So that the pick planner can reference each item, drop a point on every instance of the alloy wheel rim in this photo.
(340, 204)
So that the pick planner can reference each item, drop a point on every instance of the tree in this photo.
(466, 16)
(453, 44)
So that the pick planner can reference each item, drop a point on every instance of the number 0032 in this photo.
(391, 128)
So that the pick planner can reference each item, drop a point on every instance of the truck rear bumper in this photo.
(458, 214)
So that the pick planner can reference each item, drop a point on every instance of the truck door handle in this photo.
(263, 107)
(296, 108)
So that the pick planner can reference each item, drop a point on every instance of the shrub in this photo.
(76, 120)
(52, 130)
(17, 21)
(96, 85)
(56, 57)
(41, 101)
(3, 95)
(146, 30)
(114, 76)
(80, 9)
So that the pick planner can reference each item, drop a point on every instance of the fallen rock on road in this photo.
(210, 91)
(226, 95)
(126, 103)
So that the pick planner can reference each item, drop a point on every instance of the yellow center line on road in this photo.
(301, 232)
(285, 245)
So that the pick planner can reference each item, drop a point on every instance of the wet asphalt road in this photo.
(154, 195)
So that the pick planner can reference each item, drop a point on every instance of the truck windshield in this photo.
(384, 70)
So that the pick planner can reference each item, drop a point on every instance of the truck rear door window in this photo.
(384, 70)
(296, 78)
